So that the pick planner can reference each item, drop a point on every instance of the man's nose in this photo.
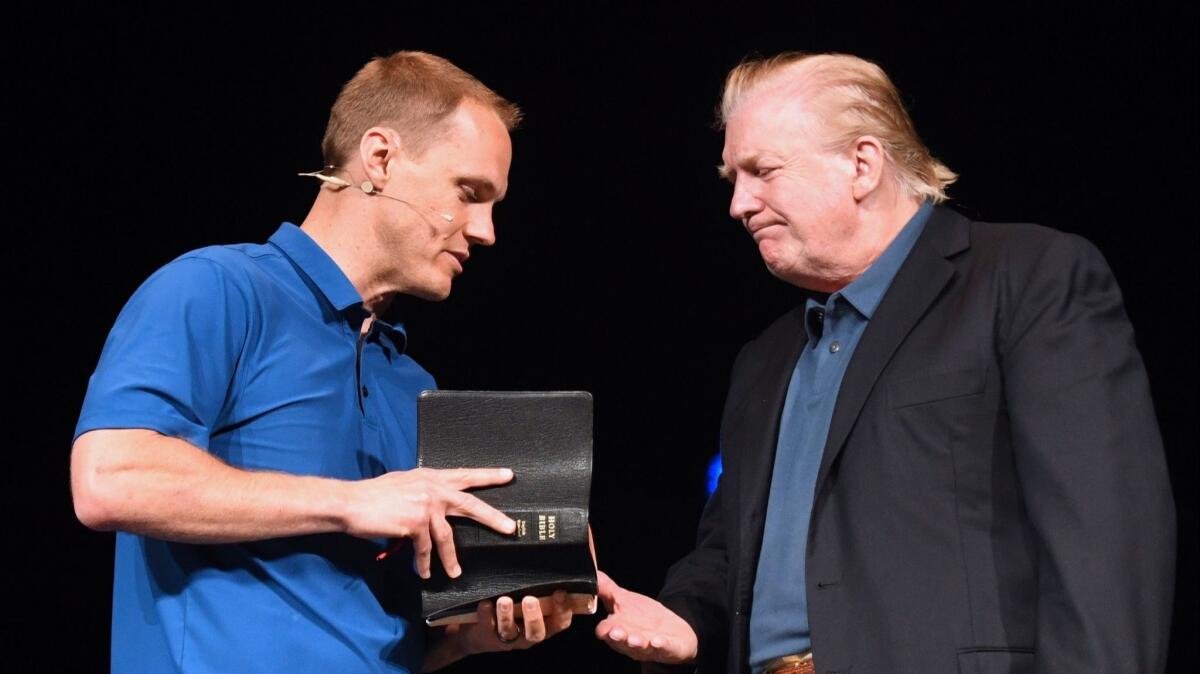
(744, 203)
(480, 230)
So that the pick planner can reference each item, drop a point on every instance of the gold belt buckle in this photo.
(800, 663)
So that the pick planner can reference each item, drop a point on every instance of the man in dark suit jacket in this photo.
(945, 460)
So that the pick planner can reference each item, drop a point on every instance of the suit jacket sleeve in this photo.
(695, 587)
(1090, 463)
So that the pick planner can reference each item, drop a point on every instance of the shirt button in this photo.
(365, 392)
(835, 347)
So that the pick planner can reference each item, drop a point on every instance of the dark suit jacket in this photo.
(993, 495)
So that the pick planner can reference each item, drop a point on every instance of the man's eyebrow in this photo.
(728, 172)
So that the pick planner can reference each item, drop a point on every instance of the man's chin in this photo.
(431, 293)
(774, 261)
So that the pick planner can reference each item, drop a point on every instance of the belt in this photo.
(801, 663)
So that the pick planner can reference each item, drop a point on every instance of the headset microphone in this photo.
(369, 188)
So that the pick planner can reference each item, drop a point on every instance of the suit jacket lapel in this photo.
(917, 284)
(760, 428)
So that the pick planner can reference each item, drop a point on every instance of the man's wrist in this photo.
(454, 642)
(337, 505)
(450, 647)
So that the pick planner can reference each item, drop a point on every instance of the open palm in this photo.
(643, 628)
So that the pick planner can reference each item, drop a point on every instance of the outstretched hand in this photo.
(642, 628)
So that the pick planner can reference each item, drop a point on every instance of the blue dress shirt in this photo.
(779, 615)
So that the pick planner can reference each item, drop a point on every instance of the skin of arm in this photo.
(140, 481)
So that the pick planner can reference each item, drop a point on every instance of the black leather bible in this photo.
(546, 439)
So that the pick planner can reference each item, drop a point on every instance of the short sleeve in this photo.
(168, 364)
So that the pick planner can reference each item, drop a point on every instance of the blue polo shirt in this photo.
(779, 615)
(252, 353)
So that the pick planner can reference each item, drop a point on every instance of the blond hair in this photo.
(856, 98)
(411, 92)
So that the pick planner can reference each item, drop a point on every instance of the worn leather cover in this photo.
(546, 439)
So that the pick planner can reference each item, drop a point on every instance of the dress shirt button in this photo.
(835, 347)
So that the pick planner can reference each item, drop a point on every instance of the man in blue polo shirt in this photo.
(250, 427)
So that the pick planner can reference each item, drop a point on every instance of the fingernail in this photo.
(456, 571)
(510, 526)
(506, 473)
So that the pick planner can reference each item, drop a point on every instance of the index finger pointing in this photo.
(466, 505)
(465, 478)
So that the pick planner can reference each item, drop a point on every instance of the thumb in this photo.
(607, 589)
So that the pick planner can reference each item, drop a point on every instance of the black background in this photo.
(617, 269)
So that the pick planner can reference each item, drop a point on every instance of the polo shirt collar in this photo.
(317, 265)
(866, 292)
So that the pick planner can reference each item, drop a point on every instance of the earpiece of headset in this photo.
(324, 177)
(369, 188)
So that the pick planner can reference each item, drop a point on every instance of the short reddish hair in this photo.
(410, 91)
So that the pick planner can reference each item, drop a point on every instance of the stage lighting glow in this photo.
(714, 473)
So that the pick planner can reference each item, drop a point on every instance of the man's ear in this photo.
(378, 147)
(869, 163)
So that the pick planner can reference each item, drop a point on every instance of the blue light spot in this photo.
(714, 473)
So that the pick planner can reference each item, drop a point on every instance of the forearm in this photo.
(146, 483)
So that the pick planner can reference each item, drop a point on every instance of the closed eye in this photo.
(477, 190)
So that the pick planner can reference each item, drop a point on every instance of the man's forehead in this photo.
(476, 119)
(758, 126)
(790, 105)
(478, 145)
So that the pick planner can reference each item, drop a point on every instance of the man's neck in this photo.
(878, 227)
(323, 226)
